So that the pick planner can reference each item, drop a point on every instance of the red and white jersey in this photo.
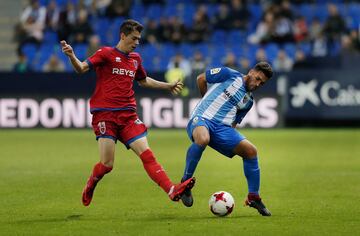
(115, 73)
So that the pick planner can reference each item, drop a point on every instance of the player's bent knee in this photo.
(202, 140)
(251, 152)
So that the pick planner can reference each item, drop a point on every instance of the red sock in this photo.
(155, 170)
(100, 170)
(253, 196)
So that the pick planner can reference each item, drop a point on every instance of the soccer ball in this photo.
(221, 203)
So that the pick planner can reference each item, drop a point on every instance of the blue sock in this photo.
(193, 156)
(252, 174)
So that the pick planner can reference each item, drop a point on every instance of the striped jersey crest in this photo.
(227, 100)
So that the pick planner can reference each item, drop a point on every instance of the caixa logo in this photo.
(330, 93)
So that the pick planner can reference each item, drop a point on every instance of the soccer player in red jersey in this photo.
(113, 107)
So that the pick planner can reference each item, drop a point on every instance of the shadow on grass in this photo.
(191, 218)
(50, 220)
(157, 218)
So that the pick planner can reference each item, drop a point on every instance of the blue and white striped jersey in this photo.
(227, 100)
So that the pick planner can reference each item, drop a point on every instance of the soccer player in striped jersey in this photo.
(213, 122)
(113, 107)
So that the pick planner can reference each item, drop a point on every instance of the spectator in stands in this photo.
(54, 64)
(347, 47)
(260, 56)
(300, 60)
(350, 53)
(222, 19)
(94, 45)
(149, 2)
(285, 10)
(175, 73)
(52, 16)
(198, 65)
(283, 63)
(315, 28)
(82, 30)
(98, 7)
(178, 30)
(151, 32)
(164, 29)
(67, 21)
(118, 8)
(283, 29)
(182, 62)
(32, 22)
(230, 61)
(244, 65)
(263, 30)
(22, 65)
(300, 29)
(355, 39)
(240, 14)
(319, 46)
(334, 26)
(200, 29)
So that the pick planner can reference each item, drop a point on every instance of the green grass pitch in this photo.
(310, 182)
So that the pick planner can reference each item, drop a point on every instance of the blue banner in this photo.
(323, 95)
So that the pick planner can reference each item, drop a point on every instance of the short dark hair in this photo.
(265, 68)
(128, 26)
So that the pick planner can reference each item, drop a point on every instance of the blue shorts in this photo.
(223, 138)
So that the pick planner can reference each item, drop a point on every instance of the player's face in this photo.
(255, 80)
(131, 41)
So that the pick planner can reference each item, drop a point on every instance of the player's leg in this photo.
(199, 134)
(105, 132)
(107, 152)
(152, 167)
(248, 152)
(156, 172)
(201, 138)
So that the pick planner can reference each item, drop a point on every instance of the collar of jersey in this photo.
(121, 51)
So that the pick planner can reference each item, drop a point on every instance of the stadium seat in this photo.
(306, 10)
(80, 51)
(45, 52)
(137, 11)
(50, 37)
(112, 36)
(186, 49)
(154, 11)
(218, 36)
(271, 50)
(101, 27)
(306, 47)
(236, 36)
(290, 49)
(321, 12)
(30, 51)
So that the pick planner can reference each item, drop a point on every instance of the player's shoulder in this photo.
(135, 55)
(104, 50)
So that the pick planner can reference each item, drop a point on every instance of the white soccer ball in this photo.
(221, 203)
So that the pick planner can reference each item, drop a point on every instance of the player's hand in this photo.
(176, 87)
(66, 48)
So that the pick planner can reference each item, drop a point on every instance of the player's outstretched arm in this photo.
(175, 88)
(202, 84)
(79, 67)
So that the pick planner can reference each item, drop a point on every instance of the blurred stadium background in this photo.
(313, 46)
(310, 176)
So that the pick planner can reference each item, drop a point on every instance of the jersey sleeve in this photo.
(97, 59)
(140, 72)
(217, 75)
